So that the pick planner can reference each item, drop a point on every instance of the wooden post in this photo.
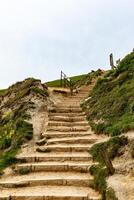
(111, 61)
(71, 88)
(61, 79)
(107, 161)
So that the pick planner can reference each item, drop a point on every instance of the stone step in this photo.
(58, 156)
(80, 95)
(73, 140)
(85, 92)
(66, 134)
(66, 110)
(79, 98)
(68, 124)
(67, 119)
(48, 178)
(67, 106)
(67, 114)
(50, 192)
(68, 129)
(72, 102)
(65, 148)
(68, 166)
(68, 103)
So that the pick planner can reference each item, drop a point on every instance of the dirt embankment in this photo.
(123, 180)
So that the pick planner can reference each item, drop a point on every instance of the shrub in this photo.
(100, 173)
(110, 194)
(112, 146)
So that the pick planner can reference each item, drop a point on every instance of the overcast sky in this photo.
(39, 38)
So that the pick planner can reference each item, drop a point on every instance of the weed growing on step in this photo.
(24, 171)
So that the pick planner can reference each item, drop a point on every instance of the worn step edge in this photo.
(64, 149)
(67, 134)
(80, 140)
(68, 124)
(52, 167)
(53, 158)
(85, 182)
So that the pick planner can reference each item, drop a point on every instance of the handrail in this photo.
(65, 81)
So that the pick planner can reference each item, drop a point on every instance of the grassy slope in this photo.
(56, 83)
(2, 92)
(99, 171)
(78, 81)
(112, 100)
(14, 128)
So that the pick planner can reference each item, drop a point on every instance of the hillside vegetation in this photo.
(57, 83)
(110, 106)
(15, 105)
(77, 81)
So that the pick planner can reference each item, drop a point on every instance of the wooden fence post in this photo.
(107, 161)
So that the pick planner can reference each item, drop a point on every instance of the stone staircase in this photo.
(59, 169)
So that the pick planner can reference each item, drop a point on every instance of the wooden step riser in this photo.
(77, 98)
(72, 102)
(67, 106)
(67, 119)
(54, 197)
(67, 149)
(53, 158)
(66, 111)
(67, 114)
(79, 141)
(53, 182)
(64, 135)
(68, 124)
(67, 129)
(53, 168)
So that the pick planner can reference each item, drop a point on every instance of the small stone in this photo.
(24, 145)
(41, 142)
(42, 150)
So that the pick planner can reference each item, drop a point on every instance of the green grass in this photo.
(110, 194)
(2, 92)
(100, 174)
(112, 100)
(77, 81)
(13, 133)
(113, 146)
(57, 83)
(39, 91)
(7, 158)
